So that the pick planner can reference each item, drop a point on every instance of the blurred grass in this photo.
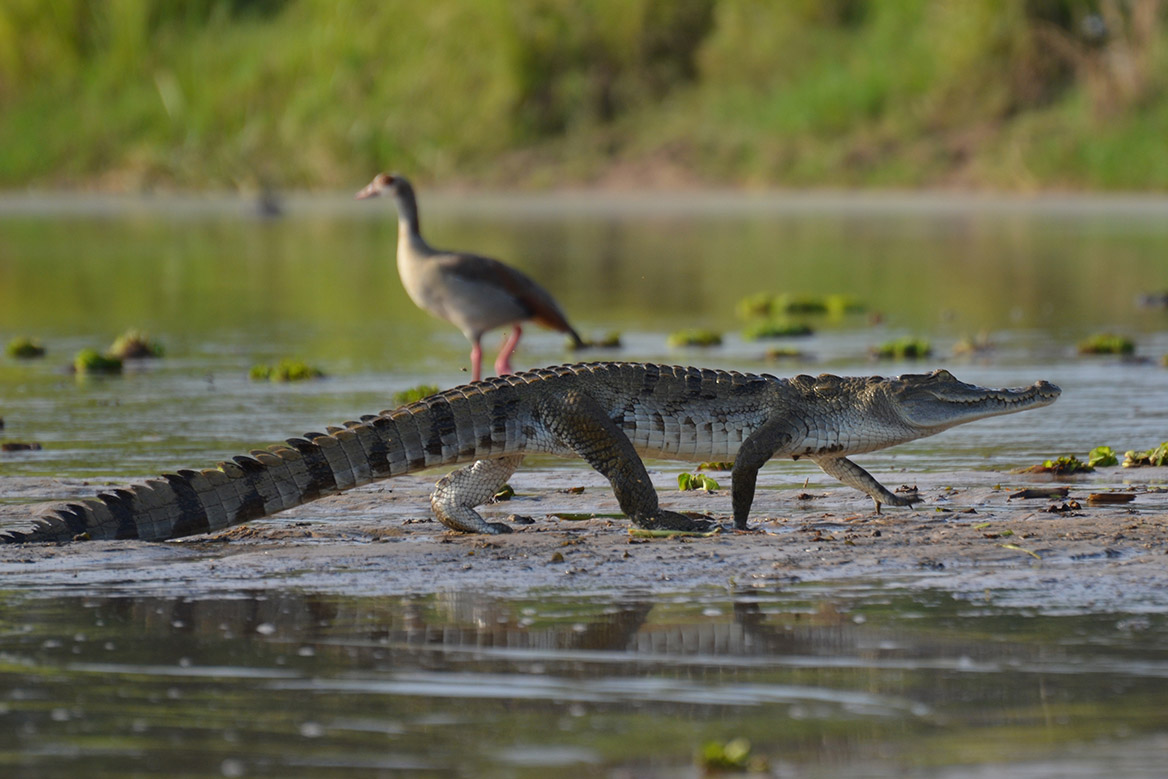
(1007, 94)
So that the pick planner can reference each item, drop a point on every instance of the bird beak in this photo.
(370, 191)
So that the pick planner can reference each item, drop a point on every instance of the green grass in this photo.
(309, 93)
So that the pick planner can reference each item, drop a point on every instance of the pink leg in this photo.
(476, 360)
(503, 362)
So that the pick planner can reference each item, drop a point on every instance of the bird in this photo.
(474, 293)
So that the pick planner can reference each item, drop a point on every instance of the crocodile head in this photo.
(932, 402)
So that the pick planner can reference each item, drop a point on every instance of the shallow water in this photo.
(859, 680)
(223, 289)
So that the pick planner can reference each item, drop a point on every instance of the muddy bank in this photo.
(968, 535)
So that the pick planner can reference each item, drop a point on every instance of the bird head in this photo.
(383, 184)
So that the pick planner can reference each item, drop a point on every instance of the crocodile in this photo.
(610, 414)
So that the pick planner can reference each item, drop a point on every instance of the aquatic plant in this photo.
(760, 304)
(734, 755)
(800, 304)
(783, 353)
(414, 394)
(1102, 457)
(840, 305)
(285, 370)
(1062, 466)
(703, 338)
(762, 330)
(1107, 343)
(610, 340)
(1153, 457)
(903, 349)
(89, 361)
(696, 481)
(135, 345)
(24, 348)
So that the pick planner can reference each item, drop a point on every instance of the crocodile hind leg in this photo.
(581, 425)
(854, 476)
(457, 493)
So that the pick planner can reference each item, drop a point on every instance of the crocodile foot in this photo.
(905, 499)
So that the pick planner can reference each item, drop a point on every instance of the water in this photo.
(113, 674)
(222, 289)
(864, 680)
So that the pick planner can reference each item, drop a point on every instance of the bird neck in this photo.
(407, 212)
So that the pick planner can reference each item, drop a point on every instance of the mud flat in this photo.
(968, 534)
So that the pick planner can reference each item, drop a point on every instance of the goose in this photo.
(474, 293)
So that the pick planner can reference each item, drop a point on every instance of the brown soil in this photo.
(380, 539)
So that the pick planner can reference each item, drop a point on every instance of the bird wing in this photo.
(534, 299)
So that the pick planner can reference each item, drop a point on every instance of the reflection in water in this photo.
(273, 684)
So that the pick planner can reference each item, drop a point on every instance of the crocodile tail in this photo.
(449, 427)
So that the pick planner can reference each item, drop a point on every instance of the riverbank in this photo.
(968, 536)
(292, 94)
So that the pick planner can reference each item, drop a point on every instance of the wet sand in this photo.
(968, 535)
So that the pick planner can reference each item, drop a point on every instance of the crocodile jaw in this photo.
(937, 401)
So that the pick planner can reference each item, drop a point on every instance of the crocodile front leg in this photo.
(854, 476)
(457, 493)
(759, 446)
(581, 424)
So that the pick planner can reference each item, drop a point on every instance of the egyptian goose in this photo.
(473, 293)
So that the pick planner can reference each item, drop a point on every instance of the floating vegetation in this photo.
(783, 353)
(285, 370)
(1102, 457)
(24, 348)
(610, 340)
(716, 466)
(734, 755)
(1107, 343)
(703, 338)
(770, 329)
(794, 304)
(414, 394)
(1154, 457)
(839, 305)
(903, 349)
(91, 361)
(1063, 466)
(135, 345)
(758, 305)
(687, 482)
(764, 305)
